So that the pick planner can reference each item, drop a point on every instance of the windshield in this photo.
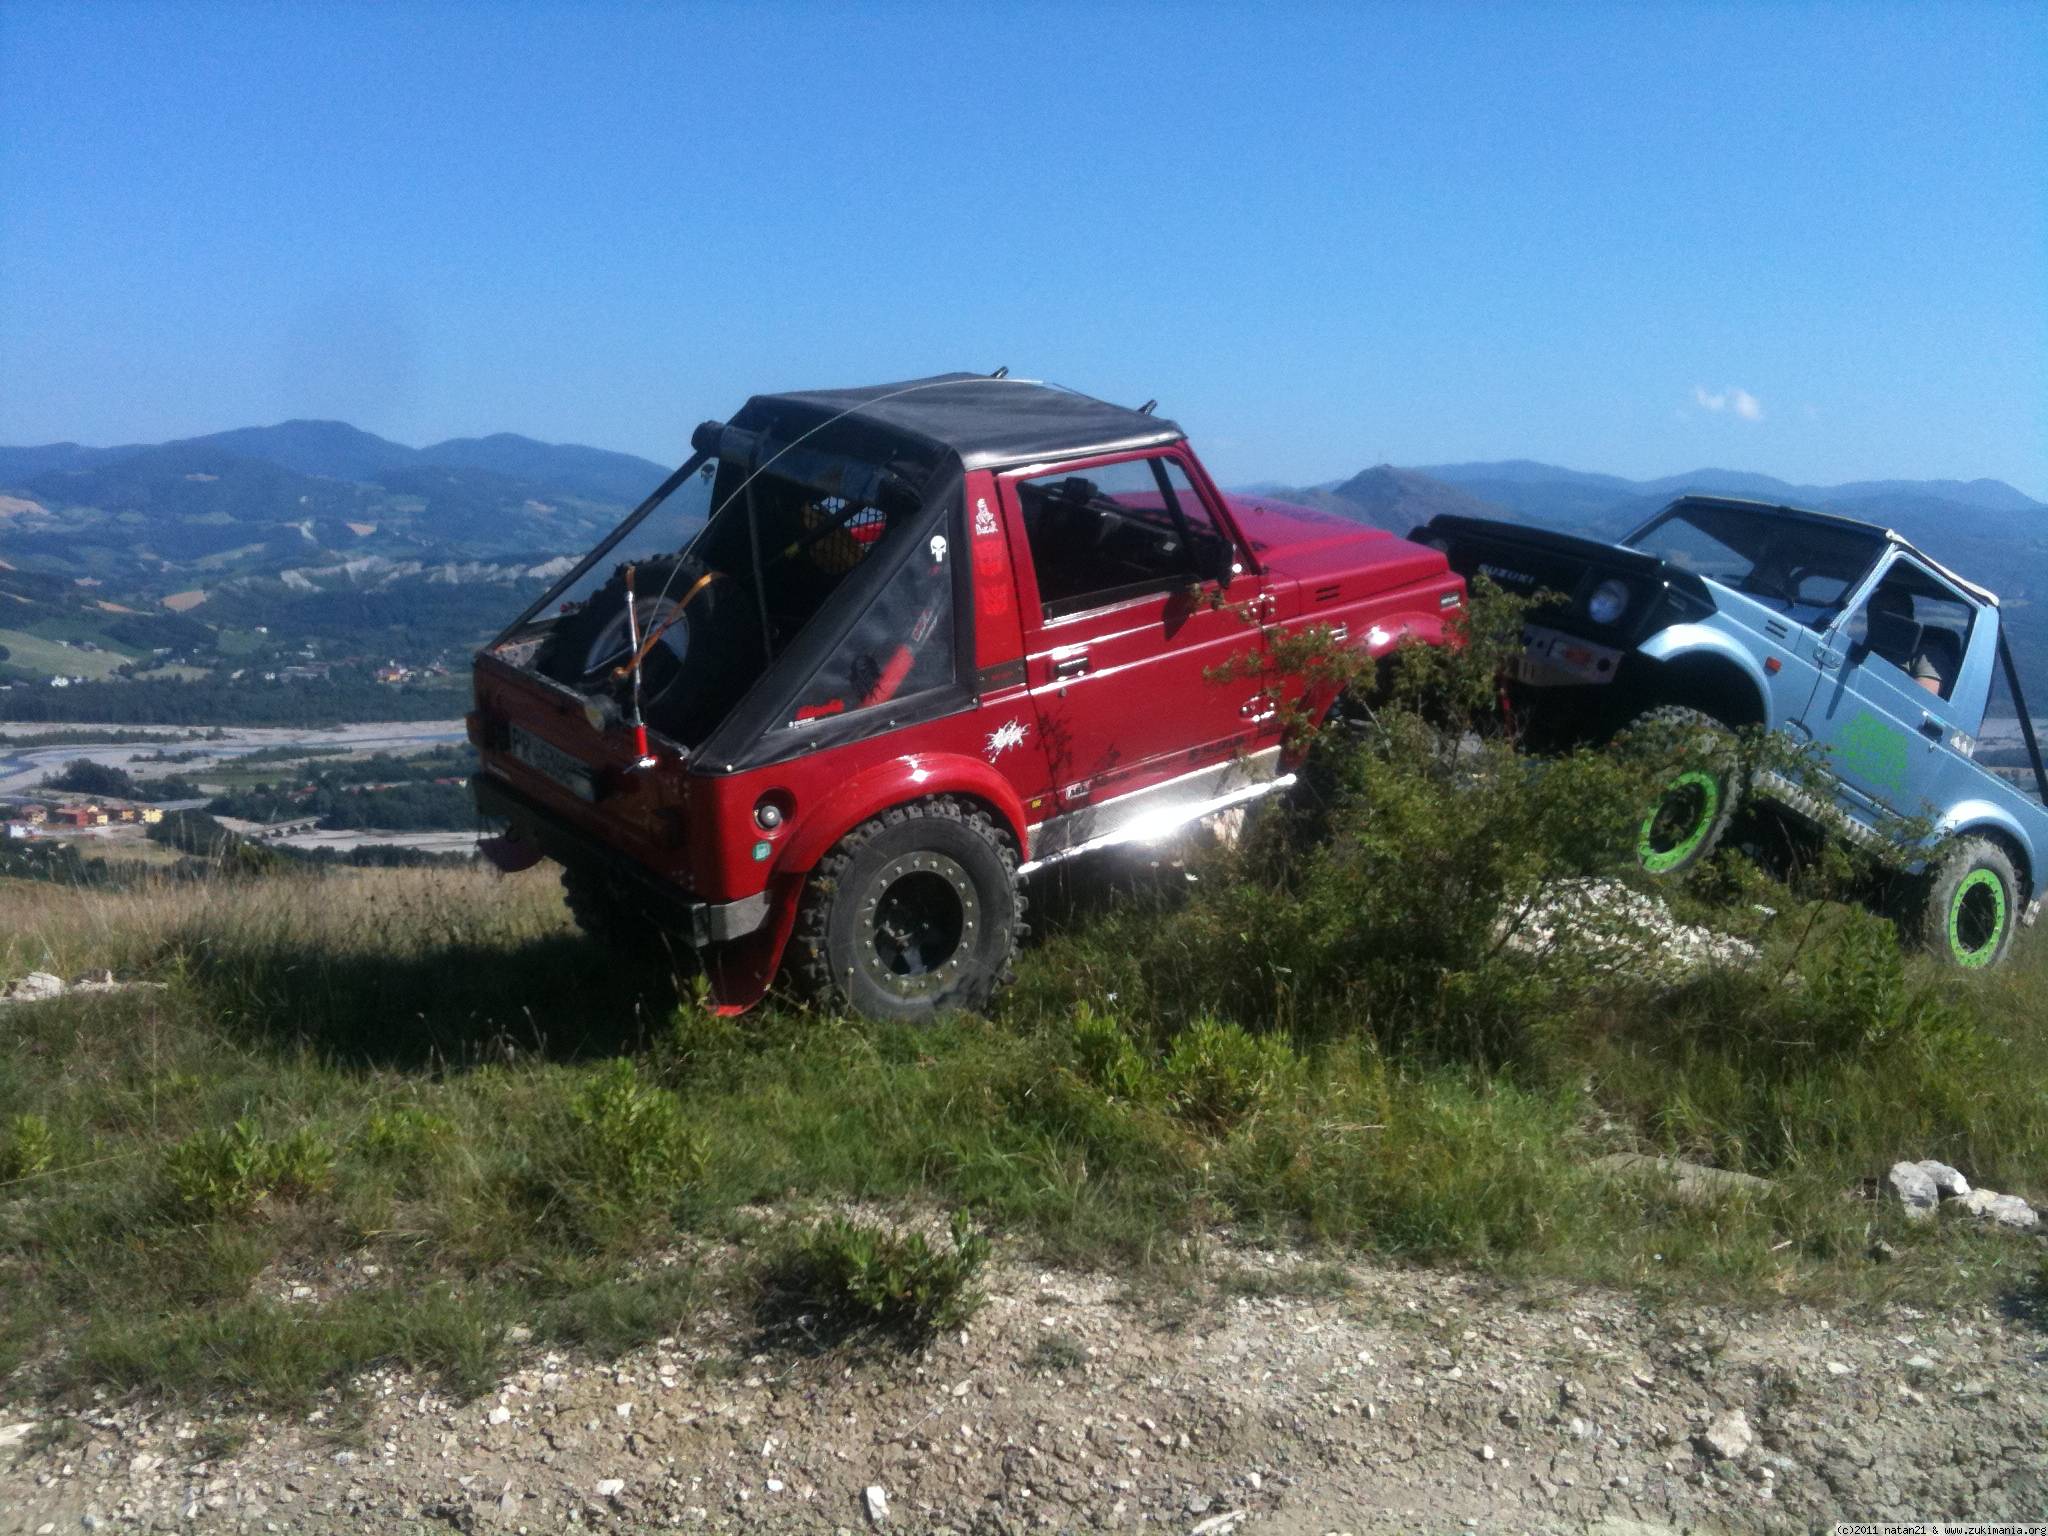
(1805, 570)
(717, 577)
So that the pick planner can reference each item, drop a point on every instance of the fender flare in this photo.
(1682, 642)
(1981, 817)
(916, 776)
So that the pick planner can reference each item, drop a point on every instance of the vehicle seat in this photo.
(1894, 636)
(1943, 648)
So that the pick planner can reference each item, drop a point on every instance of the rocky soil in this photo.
(1405, 1401)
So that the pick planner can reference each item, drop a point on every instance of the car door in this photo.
(1892, 742)
(1118, 564)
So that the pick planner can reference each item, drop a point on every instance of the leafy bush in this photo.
(27, 1150)
(1218, 1075)
(219, 1174)
(405, 1138)
(844, 1275)
(620, 1157)
(1107, 1056)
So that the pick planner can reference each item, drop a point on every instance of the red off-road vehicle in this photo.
(872, 656)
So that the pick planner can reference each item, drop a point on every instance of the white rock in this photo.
(14, 1434)
(2012, 1211)
(1216, 1523)
(775, 1485)
(1948, 1183)
(501, 1414)
(32, 988)
(1729, 1437)
(2006, 1210)
(611, 1487)
(1917, 1194)
(877, 1500)
(1836, 1368)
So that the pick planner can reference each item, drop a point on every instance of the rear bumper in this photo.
(700, 922)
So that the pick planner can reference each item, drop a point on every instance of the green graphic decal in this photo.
(1875, 751)
(1976, 918)
(1679, 822)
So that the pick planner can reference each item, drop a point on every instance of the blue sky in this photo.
(1808, 240)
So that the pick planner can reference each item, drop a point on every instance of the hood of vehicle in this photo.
(1305, 544)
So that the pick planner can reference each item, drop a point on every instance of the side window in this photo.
(1114, 532)
(901, 646)
(1919, 624)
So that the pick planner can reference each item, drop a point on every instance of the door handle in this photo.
(1071, 666)
(1932, 728)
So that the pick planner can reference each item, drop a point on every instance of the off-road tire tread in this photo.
(1929, 922)
(1672, 719)
(810, 965)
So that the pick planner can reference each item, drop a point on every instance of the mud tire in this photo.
(1970, 905)
(913, 914)
(1687, 824)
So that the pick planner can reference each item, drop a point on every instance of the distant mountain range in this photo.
(318, 526)
(335, 450)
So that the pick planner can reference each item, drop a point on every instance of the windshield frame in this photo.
(605, 546)
(1775, 524)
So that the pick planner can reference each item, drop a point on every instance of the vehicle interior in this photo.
(718, 600)
(1920, 625)
(1116, 532)
(1803, 569)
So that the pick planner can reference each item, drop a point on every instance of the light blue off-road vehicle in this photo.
(1719, 615)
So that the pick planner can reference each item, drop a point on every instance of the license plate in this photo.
(551, 762)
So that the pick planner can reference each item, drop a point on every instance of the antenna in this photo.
(1002, 372)
(1148, 407)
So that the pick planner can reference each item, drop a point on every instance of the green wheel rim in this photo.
(1679, 822)
(1976, 918)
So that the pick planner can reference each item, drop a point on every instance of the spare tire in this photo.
(705, 659)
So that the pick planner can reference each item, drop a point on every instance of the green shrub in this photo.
(1108, 1058)
(215, 1175)
(620, 1158)
(1217, 1075)
(406, 1141)
(27, 1150)
(1408, 890)
(841, 1276)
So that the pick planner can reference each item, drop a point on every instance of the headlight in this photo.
(1608, 602)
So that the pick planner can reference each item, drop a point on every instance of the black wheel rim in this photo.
(918, 924)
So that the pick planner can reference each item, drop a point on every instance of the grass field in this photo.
(50, 658)
(383, 1116)
(424, 1099)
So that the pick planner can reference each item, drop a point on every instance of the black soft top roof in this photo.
(984, 421)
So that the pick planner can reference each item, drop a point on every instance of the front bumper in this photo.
(700, 922)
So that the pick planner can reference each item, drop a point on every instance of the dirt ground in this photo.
(1407, 1401)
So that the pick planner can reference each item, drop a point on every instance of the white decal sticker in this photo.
(938, 549)
(1004, 737)
(984, 520)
